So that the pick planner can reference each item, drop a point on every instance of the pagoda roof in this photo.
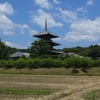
(53, 43)
(56, 52)
(46, 35)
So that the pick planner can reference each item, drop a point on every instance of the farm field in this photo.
(47, 87)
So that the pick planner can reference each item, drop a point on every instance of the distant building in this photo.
(48, 36)
(74, 55)
(17, 55)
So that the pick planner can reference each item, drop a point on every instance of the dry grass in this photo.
(53, 87)
(92, 95)
(51, 71)
(47, 84)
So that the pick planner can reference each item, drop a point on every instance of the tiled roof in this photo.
(46, 33)
(19, 54)
(16, 54)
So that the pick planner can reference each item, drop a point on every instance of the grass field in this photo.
(92, 95)
(51, 71)
(49, 84)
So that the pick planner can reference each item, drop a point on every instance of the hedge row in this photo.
(50, 63)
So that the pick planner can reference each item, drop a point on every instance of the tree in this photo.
(39, 48)
(4, 51)
(94, 51)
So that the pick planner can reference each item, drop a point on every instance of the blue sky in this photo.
(76, 22)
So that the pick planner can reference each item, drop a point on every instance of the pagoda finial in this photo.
(45, 24)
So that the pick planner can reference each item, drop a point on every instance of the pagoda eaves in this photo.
(53, 43)
(46, 34)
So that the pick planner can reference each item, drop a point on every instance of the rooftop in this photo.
(19, 54)
(46, 34)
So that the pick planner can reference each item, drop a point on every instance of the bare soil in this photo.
(70, 87)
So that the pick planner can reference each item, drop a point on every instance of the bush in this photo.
(86, 63)
(20, 63)
(96, 63)
(2, 63)
(30, 63)
(58, 63)
(70, 62)
(9, 64)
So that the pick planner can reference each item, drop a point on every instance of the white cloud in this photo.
(15, 45)
(8, 33)
(32, 32)
(90, 2)
(82, 9)
(67, 16)
(56, 1)
(39, 19)
(58, 39)
(6, 8)
(5, 23)
(22, 28)
(85, 29)
(7, 27)
(43, 4)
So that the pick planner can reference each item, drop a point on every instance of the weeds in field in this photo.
(64, 95)
(94, 95)
(26, 91)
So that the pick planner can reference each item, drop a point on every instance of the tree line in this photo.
(70, 62)
(40, 48)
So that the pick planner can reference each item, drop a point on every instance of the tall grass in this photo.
(26, 91)
(94, 95)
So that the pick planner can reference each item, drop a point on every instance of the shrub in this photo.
(30, 63)
(9, 64)
(46, 63)
(58, 63)
(96, 63)
(2, 63)
(68, 63)
(20, 63)
(86, 63)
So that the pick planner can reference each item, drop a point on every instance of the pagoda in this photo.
(48, 36)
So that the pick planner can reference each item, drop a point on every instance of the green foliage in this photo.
(71, 62)
(96, 63)
(25, 91)
(39, 48)
(4, 51)
(9, 64)
(93, 95)
(2, 63)
(30, 63)
(86, 63)
(92, 51)
(20, 63)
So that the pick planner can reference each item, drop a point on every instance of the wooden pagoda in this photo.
(48, 36)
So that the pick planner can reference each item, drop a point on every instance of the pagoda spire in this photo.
(45, 24)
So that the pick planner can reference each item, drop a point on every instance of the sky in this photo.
(76, 22)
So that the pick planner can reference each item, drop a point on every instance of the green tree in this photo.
(4, 51)
(95, 51)
(39, 48)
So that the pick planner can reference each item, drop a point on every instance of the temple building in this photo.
(48, 36)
